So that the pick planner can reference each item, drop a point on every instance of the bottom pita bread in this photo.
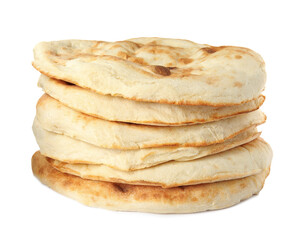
(125, 197)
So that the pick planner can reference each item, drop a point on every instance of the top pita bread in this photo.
(156, 70)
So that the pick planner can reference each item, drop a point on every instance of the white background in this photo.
(275, 29)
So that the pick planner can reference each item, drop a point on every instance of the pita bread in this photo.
(69, 150)
(156, 70)
(55, 117)
(238, 162)
(102, 106)
(124, 197)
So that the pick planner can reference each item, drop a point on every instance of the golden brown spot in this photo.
(212, 49)
(238, 57)
(152, 43)
(211, 80)
(169, 65)
(238, 84)
(203, 194)
(144, 196)
(185, 60)
(209, 50)
(52, 53)
(96, 44)
(115, 46)
(158, 51)
(140, 61)
(161, 70)
(67, 182)
(41, 171)
(120, 187)
(122, 55)
(157, 195)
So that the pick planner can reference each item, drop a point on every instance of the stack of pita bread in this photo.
(150, 124)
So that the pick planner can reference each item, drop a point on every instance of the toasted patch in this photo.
(125, 197)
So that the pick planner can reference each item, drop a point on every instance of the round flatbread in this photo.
(156, 70)
(238, 162)
(66, 149)
(56, 117)
(124, 110)
(124, 197)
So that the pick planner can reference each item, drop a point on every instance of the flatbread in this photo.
(156, 70)
(55, 117)
(124, 110)
(73, 151)
(238, 162)
(124, 197)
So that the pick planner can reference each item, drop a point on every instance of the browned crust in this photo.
(161, 123)
(182, 102)
(97, 191)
